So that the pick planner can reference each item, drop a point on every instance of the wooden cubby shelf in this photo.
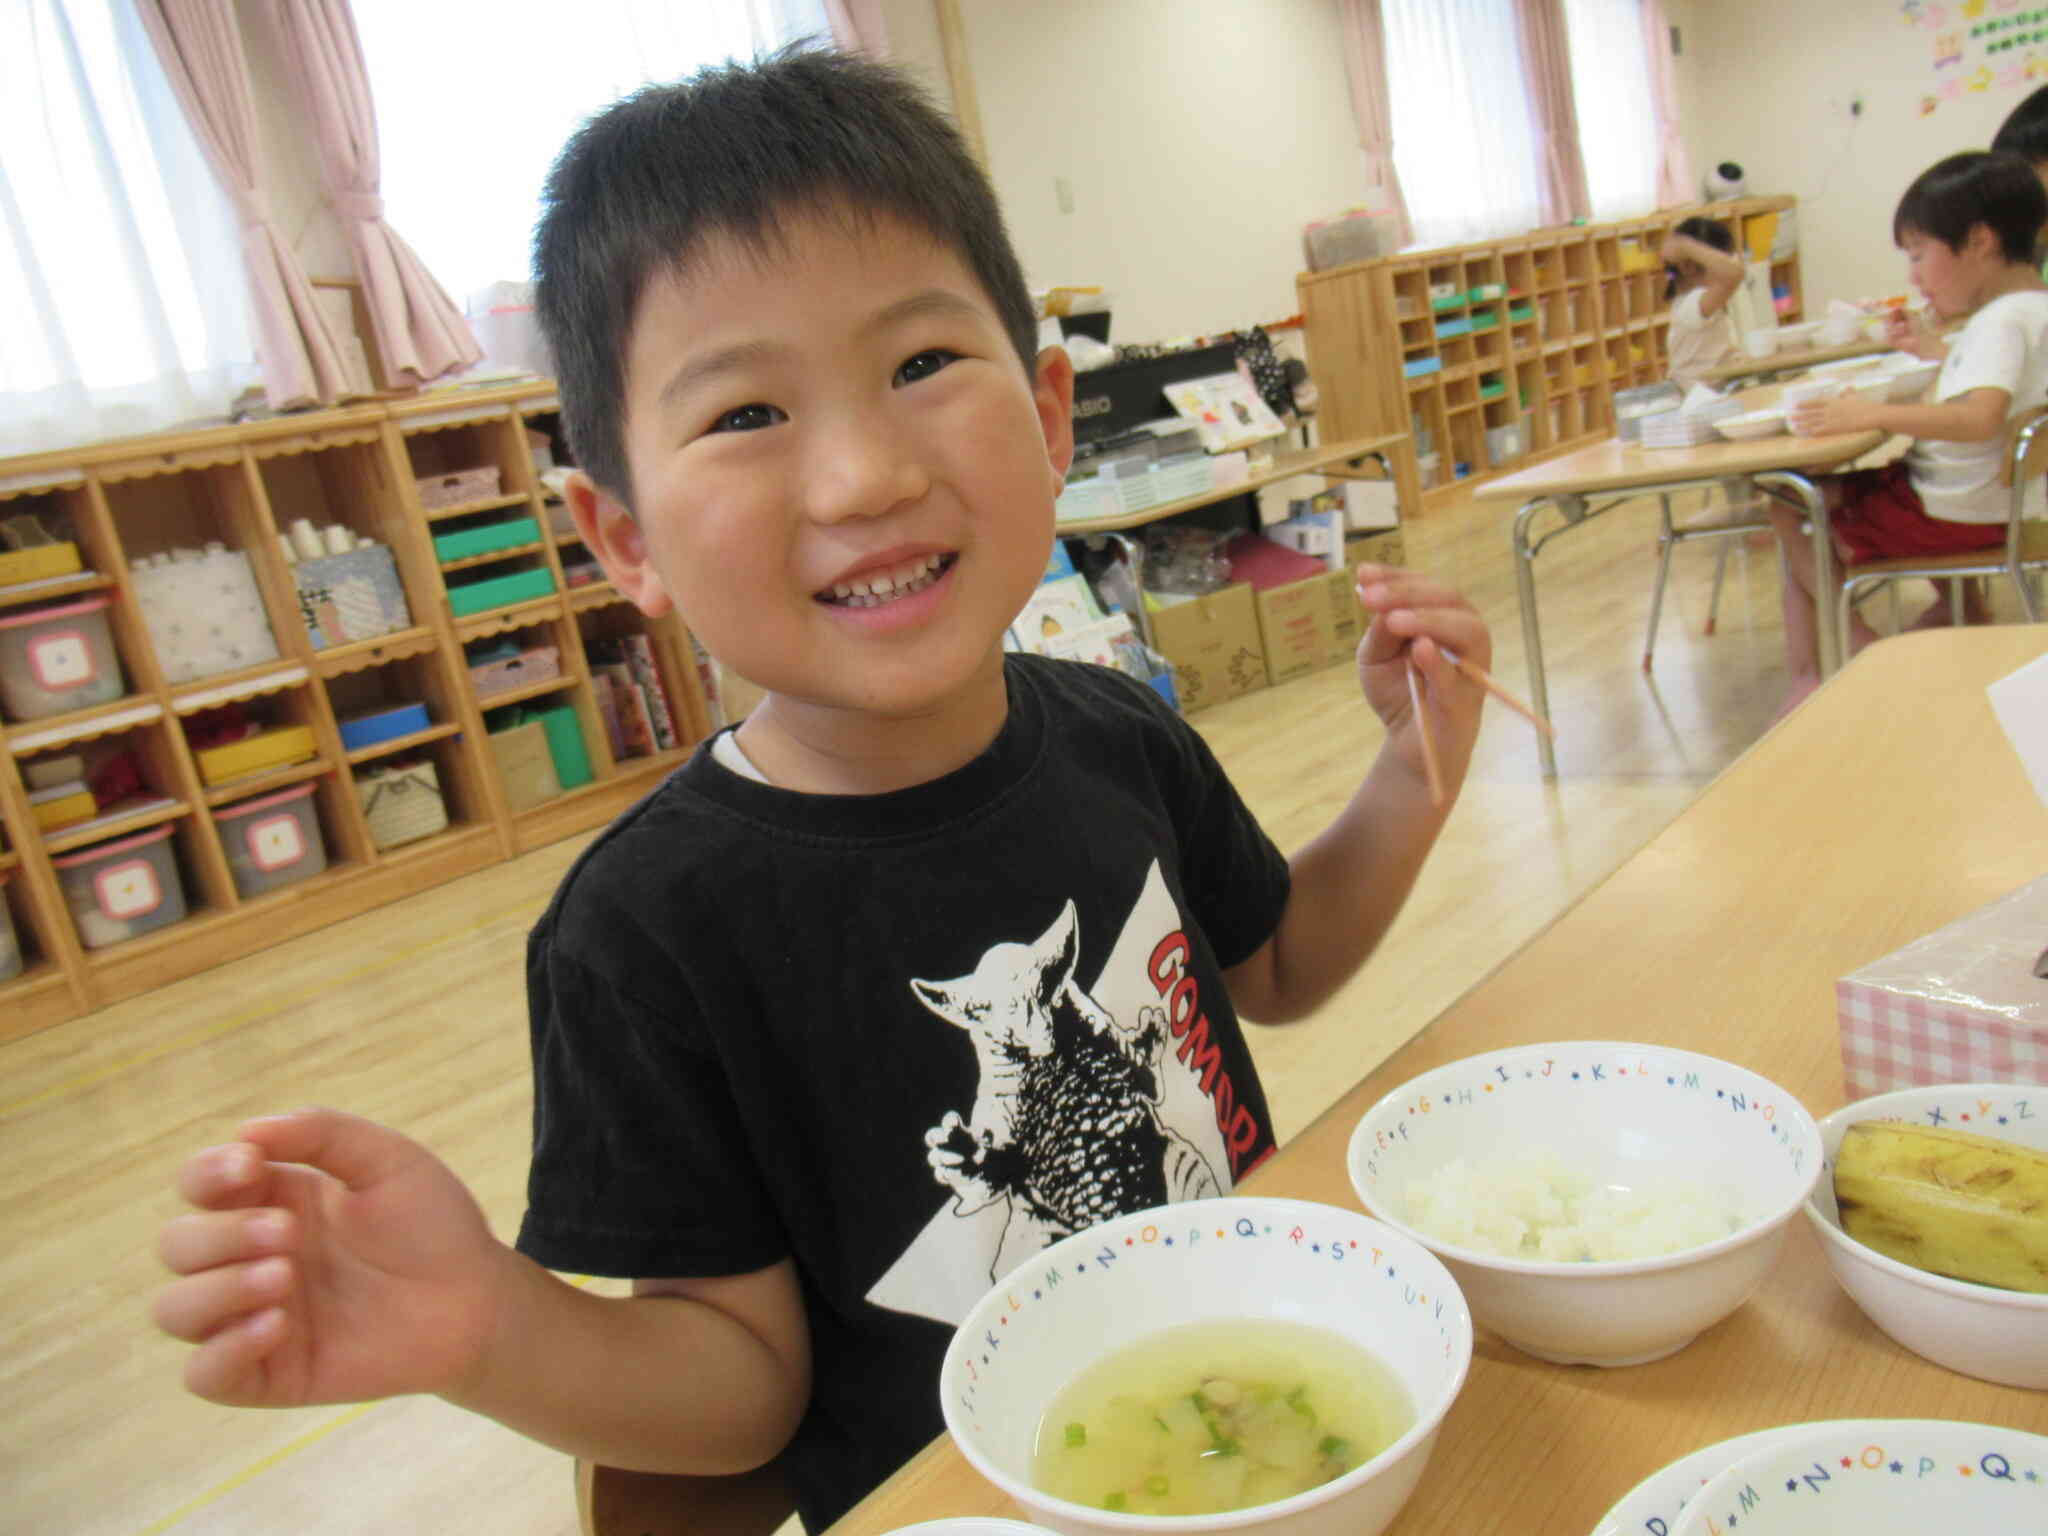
(1595, 324)
(242, 486)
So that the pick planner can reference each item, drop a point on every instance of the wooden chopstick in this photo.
(1484, 679)
(1429, 763)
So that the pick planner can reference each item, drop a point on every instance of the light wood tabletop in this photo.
(1792, 361)
(1617, 466)
(1393, 447)
(1886, 806)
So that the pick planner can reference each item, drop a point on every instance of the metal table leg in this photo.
(1532, 630)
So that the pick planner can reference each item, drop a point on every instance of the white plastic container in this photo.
(272, 841)
(123, 889)
(10, 947)
(54, 660)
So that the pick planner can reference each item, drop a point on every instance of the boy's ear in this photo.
(1053, 391)
(610, 533)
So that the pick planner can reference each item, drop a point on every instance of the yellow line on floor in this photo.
(81, 1081)
(255, 1469)
(283, 1453)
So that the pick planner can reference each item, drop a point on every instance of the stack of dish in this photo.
(1687, 427)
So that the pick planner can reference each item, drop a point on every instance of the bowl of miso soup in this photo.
(1239, 1364)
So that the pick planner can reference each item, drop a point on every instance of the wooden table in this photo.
(1339, 461)
(1567, 488)
(1886, 806)
(1778, 363)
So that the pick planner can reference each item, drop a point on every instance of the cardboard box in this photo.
(1294, 627)
(1384, 547)
(1347, 618)
(1213, 645)
(1961, 1005)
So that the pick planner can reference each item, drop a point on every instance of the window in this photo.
(474, 101)
(1464, 139)
(123, 305)
(1617, 117)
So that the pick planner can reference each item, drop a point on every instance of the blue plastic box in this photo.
(379, 725)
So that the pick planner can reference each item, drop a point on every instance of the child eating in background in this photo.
(1703, 273)
(1967, 226)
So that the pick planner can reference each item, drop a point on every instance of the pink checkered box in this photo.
(1961, 1005)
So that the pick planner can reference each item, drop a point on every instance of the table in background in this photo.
(1340, 461)
(1620, 472)
(1886, 806)
(1765, 368)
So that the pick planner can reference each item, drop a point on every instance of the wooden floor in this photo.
(414, 1015)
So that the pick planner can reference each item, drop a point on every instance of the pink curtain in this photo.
(1547, 62)
(201, 52)
(419, 332)
(1674, 165)
(1365, 65)
(857, 26)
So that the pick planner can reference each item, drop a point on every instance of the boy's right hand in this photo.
(1908, 332)
(329, 1260)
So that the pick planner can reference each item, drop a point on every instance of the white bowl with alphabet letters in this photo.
(1235, 1259)
(1879, 1477)
(1538, 1174)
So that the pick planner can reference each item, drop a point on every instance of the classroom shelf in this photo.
(239, 485)
(1594, 321)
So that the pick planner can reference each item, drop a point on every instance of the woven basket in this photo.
(402, 803)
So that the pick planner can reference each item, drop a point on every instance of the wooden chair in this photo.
(610, 1502)
(2022, 556)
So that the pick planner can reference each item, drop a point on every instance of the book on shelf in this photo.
(636, 725)
(608, 712)
(640, 660)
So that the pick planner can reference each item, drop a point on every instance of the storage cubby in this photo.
(337, 652)
(1534, 333)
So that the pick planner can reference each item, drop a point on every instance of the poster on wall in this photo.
(1979, 47)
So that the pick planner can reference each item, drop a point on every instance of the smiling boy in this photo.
(1967, 226)
(935, 960)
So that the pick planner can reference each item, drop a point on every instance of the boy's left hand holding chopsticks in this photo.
(1430, 705)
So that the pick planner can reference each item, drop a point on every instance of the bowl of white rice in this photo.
(1599, 1203)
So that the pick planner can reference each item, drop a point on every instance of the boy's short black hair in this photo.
(733, 152)
(1708, 232)
(2025, 130)
(1951, 197)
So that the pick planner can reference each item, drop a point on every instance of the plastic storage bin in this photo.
(465, 598)
(565, 745)
(10, 947)
(272, 841)
(122, 890)
(54, 660)
(487, 539)
(278, 748)
(380, 725)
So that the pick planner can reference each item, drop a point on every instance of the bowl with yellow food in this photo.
(1933, 1215)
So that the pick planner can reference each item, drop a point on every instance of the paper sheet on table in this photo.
(2020, 700)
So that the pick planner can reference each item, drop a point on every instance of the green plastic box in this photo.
(481, 541)
(467, 597)
(565, 744)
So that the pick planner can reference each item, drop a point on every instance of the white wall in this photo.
(1198, 137)
(1770, 85)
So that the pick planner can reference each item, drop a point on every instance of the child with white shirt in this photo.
(1704, 274)
(1967, 226)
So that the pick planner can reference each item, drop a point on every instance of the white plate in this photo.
(1655, 1502)
(1882, 1477)
(1751, 424)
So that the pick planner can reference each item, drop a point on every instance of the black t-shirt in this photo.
(905, 1039)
